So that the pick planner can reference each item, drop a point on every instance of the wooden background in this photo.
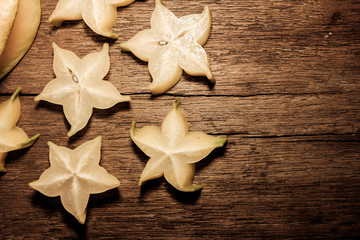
(287, 97)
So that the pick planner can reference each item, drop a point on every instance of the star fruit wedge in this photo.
(17, 32)
(12, 137)
(79, 86)
(172, 45)
(99, 15)
(173, 150)
(74, 175)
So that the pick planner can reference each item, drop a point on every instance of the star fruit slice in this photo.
(173, 150)
(74, 175)
(12, 137)
(171, 46)
(79, 86)
(100, 16)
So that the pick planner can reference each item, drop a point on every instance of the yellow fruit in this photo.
(100, 16)
(22, 34)
(79, 86)
(8, 10)
(11, 136)
(172, 45)
(173, 150)
(74, 175)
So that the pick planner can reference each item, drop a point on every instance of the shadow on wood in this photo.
(106, 113)
(14, 156)
(183, 197)
(150, 185)
(200, 79)
(216, 153)
(52, 205)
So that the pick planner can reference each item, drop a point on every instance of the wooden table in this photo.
(287, 97)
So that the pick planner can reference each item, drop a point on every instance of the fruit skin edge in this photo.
(22, 35)
(8, 10)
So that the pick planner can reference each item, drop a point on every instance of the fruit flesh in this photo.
(79, 86)
(173, 150)
(8, 10)
(171, 46)
(11, 136)
(22, 35)
(74, 175)
(100, 16)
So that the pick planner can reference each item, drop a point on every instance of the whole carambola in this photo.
(15, 43)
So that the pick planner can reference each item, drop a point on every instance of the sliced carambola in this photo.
(74, 175)
(99, 15)
(11, 136)
(171, 46)
(173, 150)
(79, 86)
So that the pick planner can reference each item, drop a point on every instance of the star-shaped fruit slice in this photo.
(171, 46)
(74, 175)
(173, 150)
(99, 15)
(79, 86)
(11, 136)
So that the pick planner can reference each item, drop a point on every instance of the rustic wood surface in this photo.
(287, 97)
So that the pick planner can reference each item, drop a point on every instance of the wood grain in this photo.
(287, 98)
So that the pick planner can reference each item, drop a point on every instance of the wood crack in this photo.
(216, 95)
(322, 137)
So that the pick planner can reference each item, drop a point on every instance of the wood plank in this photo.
(287, 98)
(263, 116)
(301, 187)
(255, 47)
